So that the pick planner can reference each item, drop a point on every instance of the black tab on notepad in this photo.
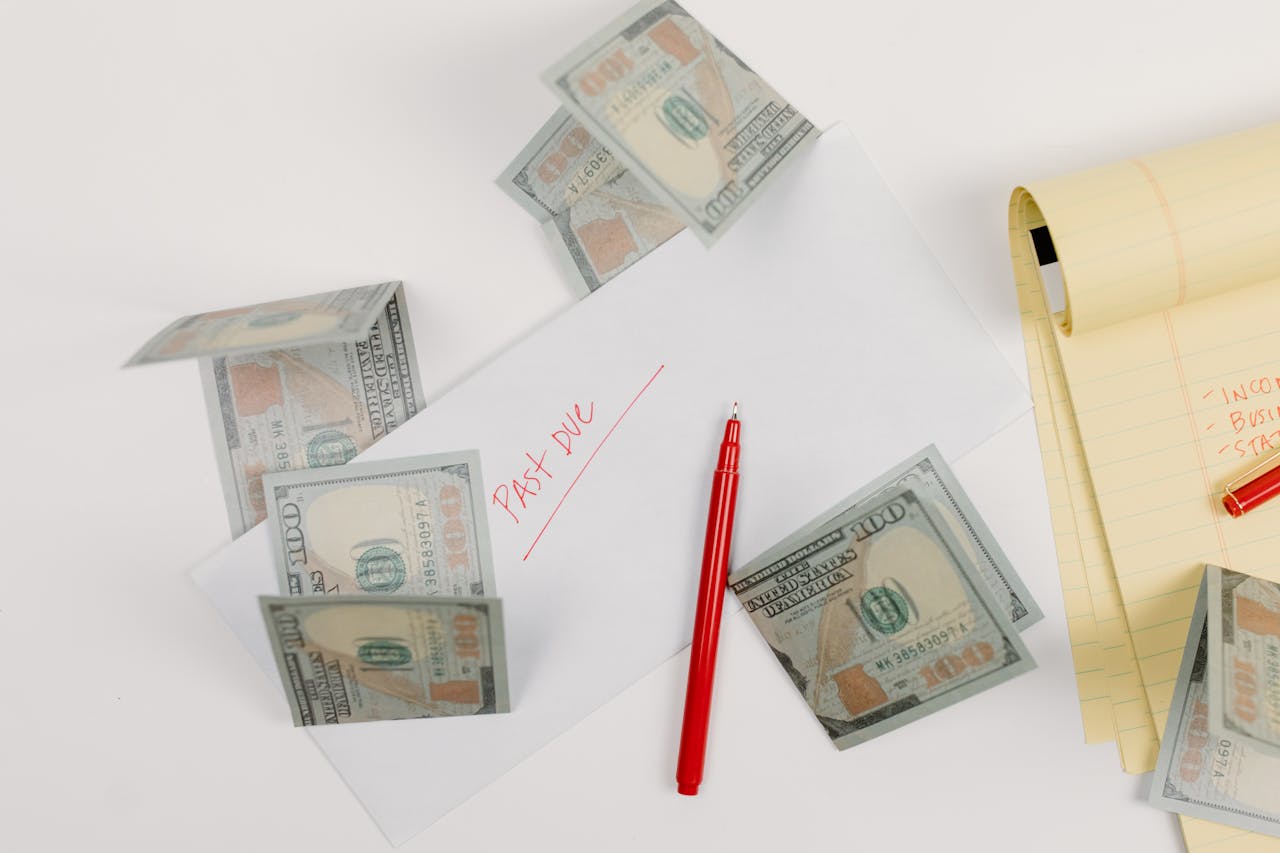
(1045, 252)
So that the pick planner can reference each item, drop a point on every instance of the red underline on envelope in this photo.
(589, 458)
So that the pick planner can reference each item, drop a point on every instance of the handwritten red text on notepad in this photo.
(1252, 411)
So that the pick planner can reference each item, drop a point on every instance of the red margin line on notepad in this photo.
(589, 458)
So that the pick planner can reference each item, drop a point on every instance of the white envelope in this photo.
(823, 312)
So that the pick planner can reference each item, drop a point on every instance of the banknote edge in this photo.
(140, 357)
(1212, 583)
(506, 180)
(569, 267)
(383, 292)
(1181, 686)
(221, 452)
(1003, 566)
(484, 541)
(399, 297)
(277, 653)
(279, 557)
(498, 637)
(390, 465)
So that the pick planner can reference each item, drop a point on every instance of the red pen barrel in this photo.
(1251, 494)
(706, 623)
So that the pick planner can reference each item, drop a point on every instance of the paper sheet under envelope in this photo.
(823, 312)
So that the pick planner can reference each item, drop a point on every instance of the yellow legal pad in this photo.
(1156, 384)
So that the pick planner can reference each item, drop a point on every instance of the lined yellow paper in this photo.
(1112, 703)
(1131, 715)
(1086, 651)
(1169, 354)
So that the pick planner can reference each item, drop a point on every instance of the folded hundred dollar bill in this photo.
(305, 382)
(1210, 765)
(404, 527)
(688, 119)
(1244, 671)
(600, 218)
(353, 659)
(880, 614)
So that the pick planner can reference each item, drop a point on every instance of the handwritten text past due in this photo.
(513, 495)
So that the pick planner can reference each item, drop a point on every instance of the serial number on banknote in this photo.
(941, 637)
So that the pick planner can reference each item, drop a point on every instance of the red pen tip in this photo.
(735, 410)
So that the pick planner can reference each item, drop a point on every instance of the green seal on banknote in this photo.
(380, 569)
(384, 652)
(330, 448)
(885, 609)
(683, 119)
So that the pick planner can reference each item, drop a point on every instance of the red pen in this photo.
(706, 622)
(1243, 494)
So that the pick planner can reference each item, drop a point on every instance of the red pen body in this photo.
(706, 623)
(1257, 491)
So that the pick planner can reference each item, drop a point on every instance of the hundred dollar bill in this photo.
(694, 124)
(1207, 772)
(297, 322)
(299, 383)
(1244, 648)
(307, 407)
(933, 481)
(878, 617)
(600, 218)
(347, 659)
(405, 527)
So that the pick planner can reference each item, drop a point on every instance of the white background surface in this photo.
(163, 158)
